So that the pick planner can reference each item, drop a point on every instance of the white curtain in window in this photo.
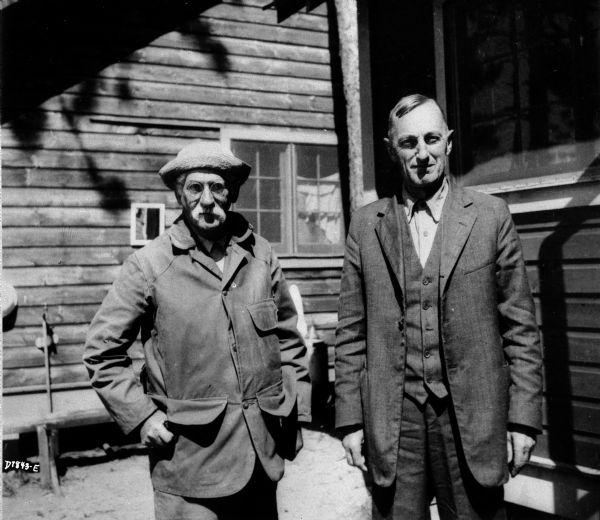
(321, 204)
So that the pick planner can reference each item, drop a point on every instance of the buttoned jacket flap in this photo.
(192, 412)
(264, 315)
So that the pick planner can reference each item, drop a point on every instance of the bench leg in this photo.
(47, 449)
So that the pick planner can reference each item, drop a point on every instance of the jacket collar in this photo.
(458, 219)
(239, 232)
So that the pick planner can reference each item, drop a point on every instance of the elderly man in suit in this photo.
(225, 372)
(438, 362)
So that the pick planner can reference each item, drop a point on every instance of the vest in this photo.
(423, 374)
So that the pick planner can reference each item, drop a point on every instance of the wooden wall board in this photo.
(204, 112)
(118, 216)
(184, 58)
(26, 336)
(47, 256)
(247, 80)
(58, 178)
(244, 47)
(17, 237)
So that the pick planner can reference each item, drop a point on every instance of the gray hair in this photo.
(408, 104)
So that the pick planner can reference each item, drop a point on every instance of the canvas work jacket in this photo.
(223, 358)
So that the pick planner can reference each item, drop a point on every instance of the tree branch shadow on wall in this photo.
(49, 48)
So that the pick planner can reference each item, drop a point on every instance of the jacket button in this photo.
(245, 406)
(426, 281)
(427, 353)
(233, 285)
(426, 306)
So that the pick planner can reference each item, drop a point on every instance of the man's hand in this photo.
(154, 434)
(519, 447)
(353, 443)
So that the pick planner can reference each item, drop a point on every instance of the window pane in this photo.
(270, 194)
(271, 159)
(263, 190)
(247, 196)
(270, 226)
(525, 87)
(251, 216)
(306, 162)
(318, 197)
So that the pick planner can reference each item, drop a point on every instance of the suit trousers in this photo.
(256, 501)
(431, 463)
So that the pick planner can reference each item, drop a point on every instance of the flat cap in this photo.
(205, 156)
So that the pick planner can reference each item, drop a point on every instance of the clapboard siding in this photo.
(63, 236)
(562, 251)
(74, 161)
(236, 46)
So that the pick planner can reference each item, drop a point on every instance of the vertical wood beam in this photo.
(347, 19)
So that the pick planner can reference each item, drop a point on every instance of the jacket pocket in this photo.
(278, 399)
(264, 315)
(278, 402)
(191, 412)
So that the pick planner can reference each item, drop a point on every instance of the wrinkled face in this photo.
(204, 198)
(419, 145)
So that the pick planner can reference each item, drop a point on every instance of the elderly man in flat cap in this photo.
(225, 377)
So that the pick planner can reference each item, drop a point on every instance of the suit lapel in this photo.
(389, 233)
(237, 255)
(457, 222)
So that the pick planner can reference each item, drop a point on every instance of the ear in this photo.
(389, 148)
(449, 142)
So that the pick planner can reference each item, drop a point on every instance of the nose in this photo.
(207, 199)
(422, 152)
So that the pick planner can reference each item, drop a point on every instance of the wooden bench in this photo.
(47, 429)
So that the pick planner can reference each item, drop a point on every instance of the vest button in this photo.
(427, 353)
(426, 306)
(245, 406)
(426, 281)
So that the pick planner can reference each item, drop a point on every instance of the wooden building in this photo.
(96, 100)
(94, 105)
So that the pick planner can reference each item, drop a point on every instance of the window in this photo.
(293, 195)
(523, 92)
(147, 222)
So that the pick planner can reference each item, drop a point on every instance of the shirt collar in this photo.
(238, 230)
(434, 204)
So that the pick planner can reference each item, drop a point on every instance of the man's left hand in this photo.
(519, 447)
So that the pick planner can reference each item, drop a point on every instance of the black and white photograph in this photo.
(300, 259)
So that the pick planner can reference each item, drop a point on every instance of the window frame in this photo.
(290, 138)
(536, 193)
(133, 238)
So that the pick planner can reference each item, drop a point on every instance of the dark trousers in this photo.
(256, 501)
(431, 463)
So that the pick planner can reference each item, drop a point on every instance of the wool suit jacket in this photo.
(488, 333)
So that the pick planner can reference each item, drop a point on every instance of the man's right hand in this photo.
(154, 434)
(353, 443)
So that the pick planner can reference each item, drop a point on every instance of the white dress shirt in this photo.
(423, 218)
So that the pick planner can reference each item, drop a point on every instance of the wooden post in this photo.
(47, 449)
(47, 360)
(347, 19)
